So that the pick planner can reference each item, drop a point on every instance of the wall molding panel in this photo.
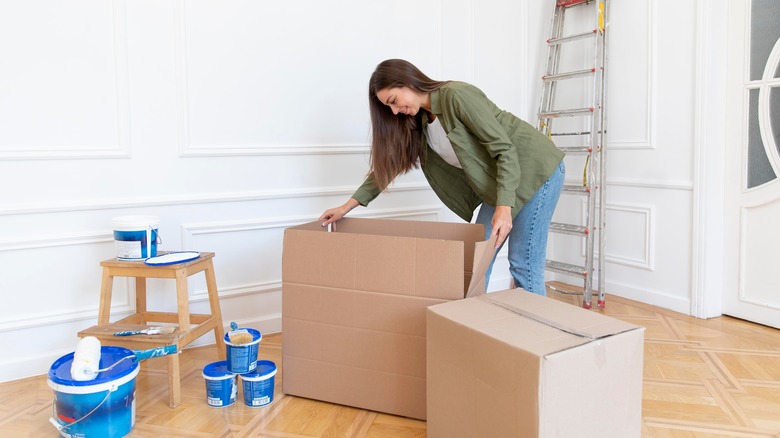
(186, 146)
(122, 302)
(274, 150)
(122, 147)
(651, 184)
(654, 184)
(646, 214)
(124, 307)
(53, 241)
(647, 142)
(165, 201)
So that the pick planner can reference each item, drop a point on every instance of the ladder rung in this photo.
(576, 150)
(554, 134)
(577, 190)
(577, 230)
(570, 3)
(566, 113)
(561, 290)
(569, 75)
(576, 36)
(566, 268)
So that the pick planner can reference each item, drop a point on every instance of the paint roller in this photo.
(86, 358)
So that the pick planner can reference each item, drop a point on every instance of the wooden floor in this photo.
(713, 378)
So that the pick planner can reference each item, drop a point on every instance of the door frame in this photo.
(708, 240)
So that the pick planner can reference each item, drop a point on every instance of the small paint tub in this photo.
(221, 386)
(101, 408)
(135, 237)
(242, 358)
(258, 386)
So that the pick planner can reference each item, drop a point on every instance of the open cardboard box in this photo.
(354, 303)
(515, 364)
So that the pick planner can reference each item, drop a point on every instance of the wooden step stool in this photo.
(190, 326)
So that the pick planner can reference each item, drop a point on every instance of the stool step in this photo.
(148, 331)
(106, 333)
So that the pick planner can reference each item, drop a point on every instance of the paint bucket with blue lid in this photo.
(136, 237)
(221, 386)
(103, 407)
(258, 386)
(242, 357)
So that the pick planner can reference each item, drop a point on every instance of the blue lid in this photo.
(264, 370)
(59, 373)
(217, 370)
(172, 258)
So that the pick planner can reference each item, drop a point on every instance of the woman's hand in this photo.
(333, 214)
(501, 223)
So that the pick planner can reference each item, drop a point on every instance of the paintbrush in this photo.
(148, 331)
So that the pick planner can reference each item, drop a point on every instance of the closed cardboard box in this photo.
(353, 306)
(514, 364)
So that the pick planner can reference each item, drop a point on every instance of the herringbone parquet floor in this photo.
(717, 378)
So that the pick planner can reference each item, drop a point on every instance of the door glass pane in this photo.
(759, 170)
(764, 32)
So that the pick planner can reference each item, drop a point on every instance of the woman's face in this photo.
(402, 100)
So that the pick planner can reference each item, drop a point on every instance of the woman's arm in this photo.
(333, 214)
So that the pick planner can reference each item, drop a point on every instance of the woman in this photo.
(472, 154)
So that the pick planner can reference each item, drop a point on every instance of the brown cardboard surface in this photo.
(354, 303)
(398, 261)
(514, 364)
(566, 318)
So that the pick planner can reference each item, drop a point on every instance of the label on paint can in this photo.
(221, 385)
(128, 249)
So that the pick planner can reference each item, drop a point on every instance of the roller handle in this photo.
(129, 333)
(155, 352)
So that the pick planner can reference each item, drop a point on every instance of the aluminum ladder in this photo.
(584, 132)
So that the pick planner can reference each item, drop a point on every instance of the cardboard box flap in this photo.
(469, 234)
(564, 317)
(483, 255)
(403, 228)
(506, 326)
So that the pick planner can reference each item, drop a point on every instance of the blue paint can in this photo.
(242, 358)
(258, 386)
(135, 237)
(101, 408)
(221, 386)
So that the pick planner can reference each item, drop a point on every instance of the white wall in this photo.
(234, 120)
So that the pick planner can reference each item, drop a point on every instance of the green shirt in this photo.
(504, 159)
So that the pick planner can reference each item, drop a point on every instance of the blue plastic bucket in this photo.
(242, 358)
(221, 387)
(258, 386)
(99, 408)
(135, 237)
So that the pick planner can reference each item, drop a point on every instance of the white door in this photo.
(752, 216)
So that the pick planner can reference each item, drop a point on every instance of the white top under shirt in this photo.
(439, 142)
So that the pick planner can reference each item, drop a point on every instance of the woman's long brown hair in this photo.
(395, 139)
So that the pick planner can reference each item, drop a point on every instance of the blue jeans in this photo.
(528, 237)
